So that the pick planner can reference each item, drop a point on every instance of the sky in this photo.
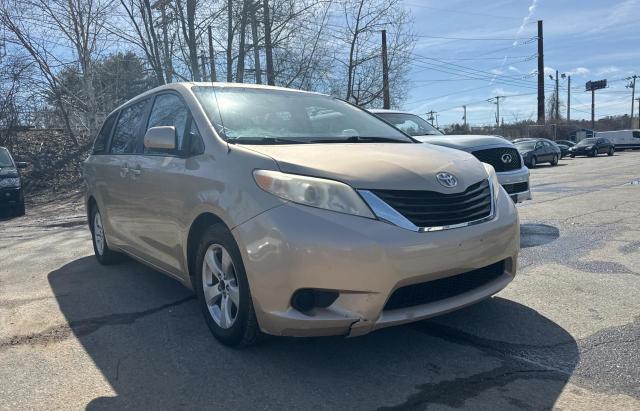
(493, 42)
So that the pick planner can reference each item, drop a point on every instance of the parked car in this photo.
(497, 151)
(11, 193)
(295, 213)
(592, 147)
(538, 151)
(567, 143)
(564, 149)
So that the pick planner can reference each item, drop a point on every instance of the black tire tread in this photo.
(250, 334)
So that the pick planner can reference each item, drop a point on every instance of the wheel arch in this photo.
(196, 230)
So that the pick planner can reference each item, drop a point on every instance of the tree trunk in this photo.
(229, 41)
(193, 51)
(241, 46)
(268, 47)
(351, 65)
(256, 50)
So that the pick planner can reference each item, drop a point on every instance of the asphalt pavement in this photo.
(565, 334)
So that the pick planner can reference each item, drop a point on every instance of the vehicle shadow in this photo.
(145, 334)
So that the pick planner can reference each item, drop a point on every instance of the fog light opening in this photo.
(306, 299)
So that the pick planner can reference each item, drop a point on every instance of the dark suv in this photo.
(592, 147)
(11, 195)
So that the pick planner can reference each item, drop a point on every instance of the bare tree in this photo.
(364, 20)
(142, 20)
(82, 23)
(37, 48)
(187, 21)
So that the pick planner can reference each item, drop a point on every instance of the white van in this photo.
(622, 139)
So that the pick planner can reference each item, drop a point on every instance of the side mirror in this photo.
(161, 137)
(21, 164)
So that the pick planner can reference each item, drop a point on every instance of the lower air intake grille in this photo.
(443, 288)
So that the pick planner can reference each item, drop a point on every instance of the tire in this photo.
(572, 156)
(610, 152)
(532, 162)
(593, 153)
(554, 161)
(239, 330)
(103, 253)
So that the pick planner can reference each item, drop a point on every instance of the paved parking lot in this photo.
(565, 334)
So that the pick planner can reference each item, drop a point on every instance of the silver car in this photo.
(512, 172)
(295, 213)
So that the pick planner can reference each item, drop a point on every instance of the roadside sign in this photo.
(596, 85)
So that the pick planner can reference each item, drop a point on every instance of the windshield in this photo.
(410, 124)
(526, 145)
(587, 141)
(267, 116)
(5, 158)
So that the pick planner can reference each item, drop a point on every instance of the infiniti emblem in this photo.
(506, 158)
(447, 180)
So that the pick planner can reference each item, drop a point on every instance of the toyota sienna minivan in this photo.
(294, 213)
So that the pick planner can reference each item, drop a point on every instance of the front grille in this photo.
(9, 195)
(516, 187)
(443, 288)
(434, 209)
(495, 157)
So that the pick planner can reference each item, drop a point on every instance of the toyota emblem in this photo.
(506, 158)
(447, 180)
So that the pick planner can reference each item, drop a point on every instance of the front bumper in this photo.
(516, 184)
(292, 247)
(11, 196)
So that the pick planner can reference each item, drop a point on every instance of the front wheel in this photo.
(610, 153)
(572, 156)
(532, 162)
(593, 153)
(223, 290)
(554, 161)
(103, 253)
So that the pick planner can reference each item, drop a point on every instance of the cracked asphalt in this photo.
(565, 334)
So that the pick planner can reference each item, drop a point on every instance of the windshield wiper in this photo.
(359, 139)
(264, 140)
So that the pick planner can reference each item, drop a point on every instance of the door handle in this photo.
(136, 171)
(124, 170)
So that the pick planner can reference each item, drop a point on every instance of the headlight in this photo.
(10, 182)
(493, 178)
(314, 192)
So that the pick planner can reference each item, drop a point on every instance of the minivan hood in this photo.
(391, 166)
(465, 142)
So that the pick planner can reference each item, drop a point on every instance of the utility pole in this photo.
(557, 98)
(464, 117)
(431, 116)
(212, 61)
(385, 73)
(632, 86)
(540, 73)
(638, 112)
(568, 98)
(593, 109)
(204, 65)
(497, 103)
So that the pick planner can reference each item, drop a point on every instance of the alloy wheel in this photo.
(220, 286)
(98, 233)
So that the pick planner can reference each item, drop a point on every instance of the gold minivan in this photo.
(295, 213)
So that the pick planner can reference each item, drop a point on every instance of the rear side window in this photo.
(125, 137)
(169, 110)
(100, 144)
(636, 134)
